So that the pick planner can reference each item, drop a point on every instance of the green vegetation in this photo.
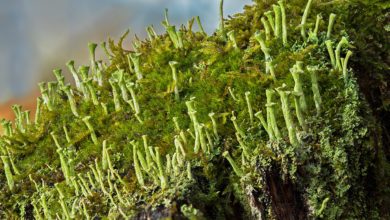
(263, 119)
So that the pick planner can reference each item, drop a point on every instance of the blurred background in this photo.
(38, 36)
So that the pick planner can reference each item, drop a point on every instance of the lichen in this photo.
(204, 126)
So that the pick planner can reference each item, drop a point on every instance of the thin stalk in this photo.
(332, 19)
(304, 18)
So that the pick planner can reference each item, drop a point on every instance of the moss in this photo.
(327, 158)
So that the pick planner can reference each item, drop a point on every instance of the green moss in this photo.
(328, 154)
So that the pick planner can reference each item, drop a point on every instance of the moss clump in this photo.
(262, 119)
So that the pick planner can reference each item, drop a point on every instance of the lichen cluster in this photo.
(197, 126)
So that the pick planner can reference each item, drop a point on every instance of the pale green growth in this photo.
(232, 38)
(119, 76)
(315, 87)
(232, 94)
(115, 95)
(200, 26)
(151, 33)
(94, 172)
(161, 174)
(55, 139)
(52, 89)
(296, 72)
(179, 146)
(17, 109)
(136, 44)
(304, 18)
(299, 111)
(183, 138)
(190, 132)
(130, 86)
(174, 35)
(318, 20)
(345, 64)
(7, 127)
(129, 62)
(147, 152)
(343, 42)
(332, 19)
(37, 214)
(271, 116)
(66, 134)
(113, 171)
(203, 143)
(84, 185)
(192, 113)
(65, 210)
(175, 166)
(75, 185)
(92, 91)
(287, 115)
(90, 128)
(38, 110)
(168, 166)
(68, 91)
(26, 117)
(45, 96)
(82, 189)
(59, 76)
(104, 107)
(270, 18)
(100, 177)
(75, 207)
(84, 71)
(238, 129)
(266, 51)
(64, 166)
(138, 171)
(176, 122)
(278, 21)
(104, 155)
(266, 28)
(284, 22)
(122, 200)
(99, 74)
(236, 169)
(14, 168)
(221, 20)
(189, 173)
(313, 35)
(260, 116)
(244, 148)
(250, 110)
(72, 70)
(215, 126)
(329, 46)
(92, 58)
(85, 212)
(104, 47)
(35, 183)
(209, 139)
(135, 59)
(90, 180)
(46, 211)
(173, 65)
(142, 161)
(8, 174)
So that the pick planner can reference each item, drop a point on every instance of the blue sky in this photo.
(40, 35)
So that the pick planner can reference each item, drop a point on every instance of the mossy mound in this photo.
(263, 119)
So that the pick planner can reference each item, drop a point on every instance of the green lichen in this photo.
(167, 130)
